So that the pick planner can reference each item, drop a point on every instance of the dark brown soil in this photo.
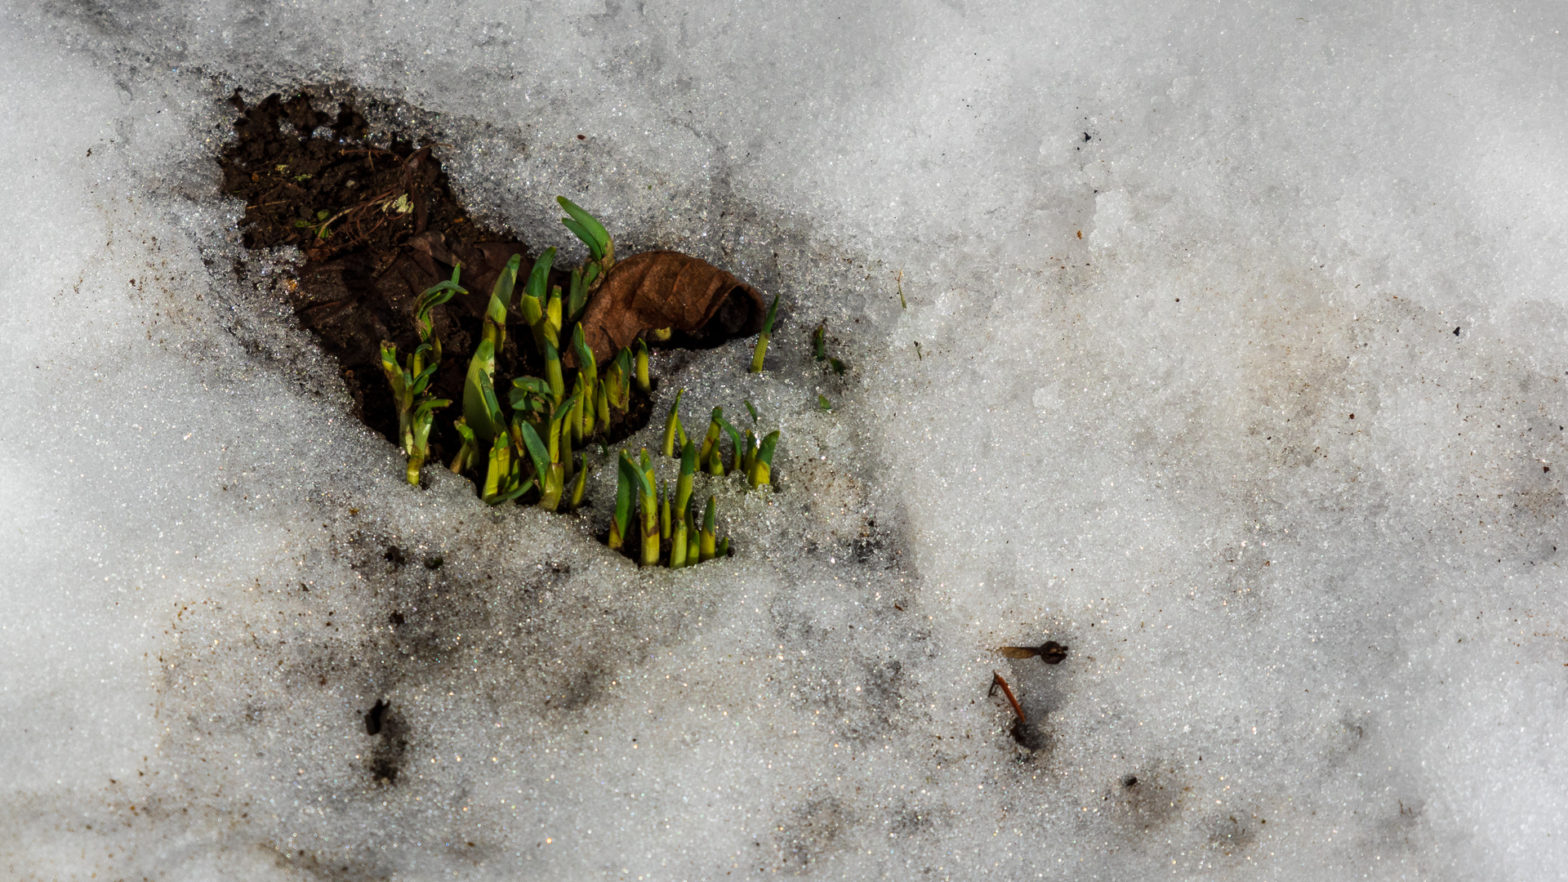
(378, 224)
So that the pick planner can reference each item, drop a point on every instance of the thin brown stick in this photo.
(996, 680)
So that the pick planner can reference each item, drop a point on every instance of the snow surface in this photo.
(1232, 358)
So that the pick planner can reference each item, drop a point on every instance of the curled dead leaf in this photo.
(703, 304)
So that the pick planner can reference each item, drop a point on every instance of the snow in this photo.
(1230, 360)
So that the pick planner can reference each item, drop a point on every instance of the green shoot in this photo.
(562, 433)
(532, 309)
(468, 450)
(480, 407)
(532, 301)
(641, 354)
(576, 296)
(664, 510)
(552, 370)
(587, 382)
(552, 315)
(750, 408)
(710, 441)
(673, 432)
(618, 379)
(623, 373)
(735, 443)
(706, 539)
(762, 338)
(602, 405)
(762, 467)
(554, 456)
(418, 439)
(724, 548)
(499, 465)
(819, 350)
(587, 365)
(539, 276)
(693, 539)
(432, 297)
(411, 381)
(582, 481)
(503, 479)
(544, 469)
(750, 457)
(628, 481)
(587, 228)
(582, 414)
(678, 544)
(408, 384)
(529, 395)
(823, 403)
(650, 513)
(683, 484)
(500, 296)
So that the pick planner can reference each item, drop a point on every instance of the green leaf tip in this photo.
(587, 228)
(539, 276)
(773, 312)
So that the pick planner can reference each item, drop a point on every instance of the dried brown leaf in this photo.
(703, 304)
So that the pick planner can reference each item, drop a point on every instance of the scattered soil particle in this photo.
(386, 759)
(1030, 736)
(375, 717)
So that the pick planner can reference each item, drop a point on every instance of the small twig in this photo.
(996, 680)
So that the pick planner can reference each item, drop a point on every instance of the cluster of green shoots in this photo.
(669, 530)
(528, 447)
(533, 447)
(410, 378)
(748, 457)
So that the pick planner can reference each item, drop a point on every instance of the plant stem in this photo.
(664, 511)
(762, 466)
(678, 545)
(706, 546)
(582, 481)
(672, 426)
(759, 353)
(650, 515)
(643, 382)
(762, 338)
(683, 484)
